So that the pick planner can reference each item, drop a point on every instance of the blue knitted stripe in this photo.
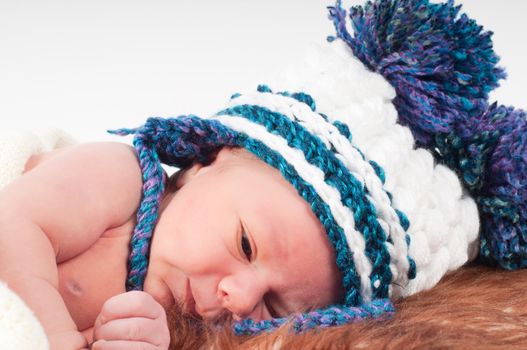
(336, 175)
(344, 130)
(308, 100)
(299, 96)
(403, 219)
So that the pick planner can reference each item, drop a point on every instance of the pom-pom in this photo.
(441, 67)
(490, 155)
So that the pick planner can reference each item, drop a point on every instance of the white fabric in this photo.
(444, 221)
(17, 145)
(19, 328)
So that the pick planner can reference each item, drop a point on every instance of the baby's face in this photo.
(237, 237)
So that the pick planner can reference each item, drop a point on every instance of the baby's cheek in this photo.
(197, 257)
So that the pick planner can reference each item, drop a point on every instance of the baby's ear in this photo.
(216, 160)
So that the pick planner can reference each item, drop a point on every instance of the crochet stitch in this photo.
(397, 221)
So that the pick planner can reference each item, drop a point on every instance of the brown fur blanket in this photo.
(474, 307)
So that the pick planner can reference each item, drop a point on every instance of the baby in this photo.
(222, 243)
(376, 167)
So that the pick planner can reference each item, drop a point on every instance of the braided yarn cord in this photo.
(323, 318)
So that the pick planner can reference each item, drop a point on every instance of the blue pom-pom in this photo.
(441, 66)
(490, 156)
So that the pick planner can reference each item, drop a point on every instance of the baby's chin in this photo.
(167, 284)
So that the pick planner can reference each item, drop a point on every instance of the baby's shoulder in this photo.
(108, 171)
(108, 158)
(78, 193)
(105, 165)
(118, 153)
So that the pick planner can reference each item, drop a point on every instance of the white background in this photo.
(87, 66)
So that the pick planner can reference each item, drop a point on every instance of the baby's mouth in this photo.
(189, 304)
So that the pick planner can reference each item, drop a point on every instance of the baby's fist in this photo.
(131, 321)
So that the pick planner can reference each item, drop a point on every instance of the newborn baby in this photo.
(233, 236)
(375, 166)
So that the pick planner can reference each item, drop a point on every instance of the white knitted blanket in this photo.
(17, 145)
(19, 328)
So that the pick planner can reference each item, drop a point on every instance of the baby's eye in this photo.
(246, 246)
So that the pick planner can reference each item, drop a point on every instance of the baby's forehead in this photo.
(239, 155)
(237, 160)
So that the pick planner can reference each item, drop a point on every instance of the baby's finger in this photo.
(136, 329)
(130, 304)
(123, 345)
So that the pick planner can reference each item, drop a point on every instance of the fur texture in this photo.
(474, 307)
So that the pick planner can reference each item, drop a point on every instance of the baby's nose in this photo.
(243, 298)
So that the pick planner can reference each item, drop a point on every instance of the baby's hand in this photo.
(130, 321)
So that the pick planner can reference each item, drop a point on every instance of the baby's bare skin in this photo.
(104, 273)
(103, 265)
(81, 223)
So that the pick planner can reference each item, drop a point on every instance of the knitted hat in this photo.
(388, 135)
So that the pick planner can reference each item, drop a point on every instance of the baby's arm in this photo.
(57, 211)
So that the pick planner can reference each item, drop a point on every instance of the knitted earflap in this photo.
(442, 69)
